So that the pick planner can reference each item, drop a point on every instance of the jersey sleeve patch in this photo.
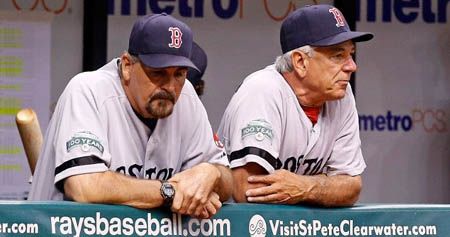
(86, 142)
(260, 129)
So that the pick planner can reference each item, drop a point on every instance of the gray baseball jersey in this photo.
(95, 129)
(265, 124)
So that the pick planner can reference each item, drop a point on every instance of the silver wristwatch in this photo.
(167, 193)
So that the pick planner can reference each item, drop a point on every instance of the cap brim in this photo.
(166, 60)
(355, 36)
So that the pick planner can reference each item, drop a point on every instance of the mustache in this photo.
(163, 95)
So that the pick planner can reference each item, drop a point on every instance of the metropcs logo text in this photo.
(430, 11)
(428, 120)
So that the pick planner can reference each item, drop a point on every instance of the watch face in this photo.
(168, 190)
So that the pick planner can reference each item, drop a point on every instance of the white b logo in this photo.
(257, 226)
(175, 37)
(338, 17)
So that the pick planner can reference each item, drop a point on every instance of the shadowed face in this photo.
(152, 92)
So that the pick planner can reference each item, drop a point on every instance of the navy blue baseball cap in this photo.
(160, 41)
(317, 25)
(200, 60)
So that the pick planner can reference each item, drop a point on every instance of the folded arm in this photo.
(285, 187)
(198, 190)
(113, 188)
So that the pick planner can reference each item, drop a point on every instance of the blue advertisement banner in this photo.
(75, 219)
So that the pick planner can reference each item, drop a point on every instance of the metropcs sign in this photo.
(404, 11)
(277, 10)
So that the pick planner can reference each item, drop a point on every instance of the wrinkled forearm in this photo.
(338, 190)
(113, 188)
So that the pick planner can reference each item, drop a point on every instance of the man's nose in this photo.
(350, 65)
(168, 83)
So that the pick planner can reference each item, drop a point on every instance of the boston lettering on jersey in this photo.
(313, 166)
(152, 173)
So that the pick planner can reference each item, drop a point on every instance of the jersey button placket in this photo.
(313, 138)
(151, 144)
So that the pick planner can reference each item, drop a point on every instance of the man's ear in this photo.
(125, 67)
(299, 62)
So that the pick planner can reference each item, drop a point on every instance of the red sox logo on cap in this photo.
(176, 37)
(338, 16)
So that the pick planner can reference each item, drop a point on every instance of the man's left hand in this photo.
(194, 188)
(282, 187)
